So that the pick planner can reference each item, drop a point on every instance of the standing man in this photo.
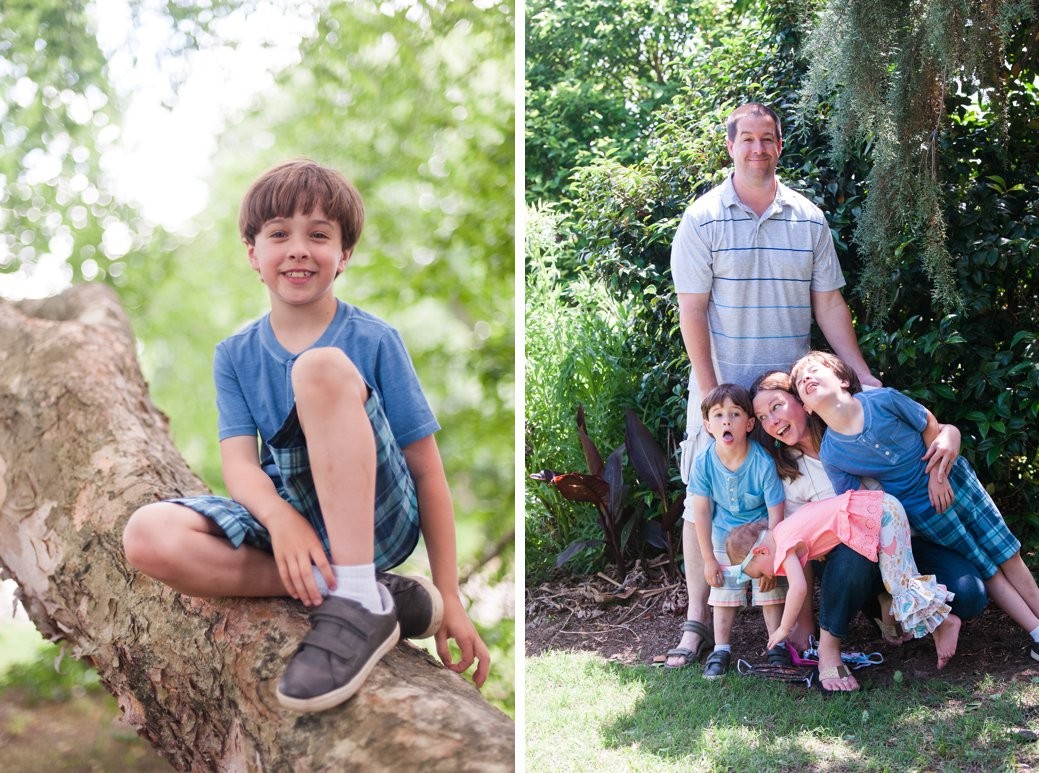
(753, 262)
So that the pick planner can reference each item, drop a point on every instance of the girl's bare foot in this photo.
(946, 636)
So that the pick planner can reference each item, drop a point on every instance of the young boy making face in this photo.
(732, 482)
(346, 463)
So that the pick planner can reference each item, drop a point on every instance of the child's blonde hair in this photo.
(302, 186)
(831, 362)
(741, 540)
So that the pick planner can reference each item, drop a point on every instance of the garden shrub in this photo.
(974, 366)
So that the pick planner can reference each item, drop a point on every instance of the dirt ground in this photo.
(634, 622)
(81, 733)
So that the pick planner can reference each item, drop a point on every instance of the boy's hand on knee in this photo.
(712, 572)
(296, 548)
(460, 628)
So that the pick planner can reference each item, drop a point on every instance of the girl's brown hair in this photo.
(783, 455)
(302, 186)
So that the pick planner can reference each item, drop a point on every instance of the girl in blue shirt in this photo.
(883, 434)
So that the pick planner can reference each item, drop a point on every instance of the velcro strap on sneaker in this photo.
(317, 615)
(330, 643)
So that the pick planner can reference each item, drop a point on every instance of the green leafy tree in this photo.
(887, 71)
(57, 116)
(595, 72)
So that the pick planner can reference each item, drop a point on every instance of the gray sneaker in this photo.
(343, 645)
(717, 664)
(420, 607)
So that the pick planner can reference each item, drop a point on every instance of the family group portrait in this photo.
(479, 385)
(780, 386)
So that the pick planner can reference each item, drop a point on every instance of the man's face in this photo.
(756, 149)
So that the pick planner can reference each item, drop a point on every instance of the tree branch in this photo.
(81, 446)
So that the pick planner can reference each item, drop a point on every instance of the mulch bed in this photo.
(633, 621)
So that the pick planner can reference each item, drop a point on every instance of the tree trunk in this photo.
(82, 446)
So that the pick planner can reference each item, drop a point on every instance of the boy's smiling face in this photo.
(728, 424)
(299, 257)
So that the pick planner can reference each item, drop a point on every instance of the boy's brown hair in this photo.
(830, 361)
(741, 540)
(302, 186)
(734, 392)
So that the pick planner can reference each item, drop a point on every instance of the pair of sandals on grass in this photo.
(783, 662)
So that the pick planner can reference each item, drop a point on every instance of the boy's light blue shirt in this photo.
(253, 374)
(738, 497)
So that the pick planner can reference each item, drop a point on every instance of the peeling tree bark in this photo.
(81, 446)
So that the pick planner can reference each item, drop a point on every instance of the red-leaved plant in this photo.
(603, 486)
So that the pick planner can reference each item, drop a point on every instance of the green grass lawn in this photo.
(584, 713)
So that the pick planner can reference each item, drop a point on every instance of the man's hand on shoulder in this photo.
(869, 380)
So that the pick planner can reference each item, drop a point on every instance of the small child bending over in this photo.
(733, 482)
(871, 523)
(882, 434)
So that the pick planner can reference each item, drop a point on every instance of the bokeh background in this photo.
(129, 130)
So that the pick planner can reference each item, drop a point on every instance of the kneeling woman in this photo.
(849, 581)
(872, 524)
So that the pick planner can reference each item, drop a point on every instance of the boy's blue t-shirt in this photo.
(738, 497)
(253, 374)
(890, 449)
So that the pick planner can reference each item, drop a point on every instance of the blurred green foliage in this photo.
(412, 101)
(49, 676)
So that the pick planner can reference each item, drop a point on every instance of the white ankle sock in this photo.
(358, 583)
(723, 648)
(1034, 633)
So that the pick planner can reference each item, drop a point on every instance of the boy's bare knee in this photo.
(143, 537)
(327, 371)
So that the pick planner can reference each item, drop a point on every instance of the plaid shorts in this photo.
(396, 505)
(972, 526)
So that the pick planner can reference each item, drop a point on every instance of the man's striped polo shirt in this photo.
(759, 272)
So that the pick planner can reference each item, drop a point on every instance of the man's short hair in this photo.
(751, 108)
(302, 186)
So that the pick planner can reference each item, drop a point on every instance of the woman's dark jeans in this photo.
(851, 582)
